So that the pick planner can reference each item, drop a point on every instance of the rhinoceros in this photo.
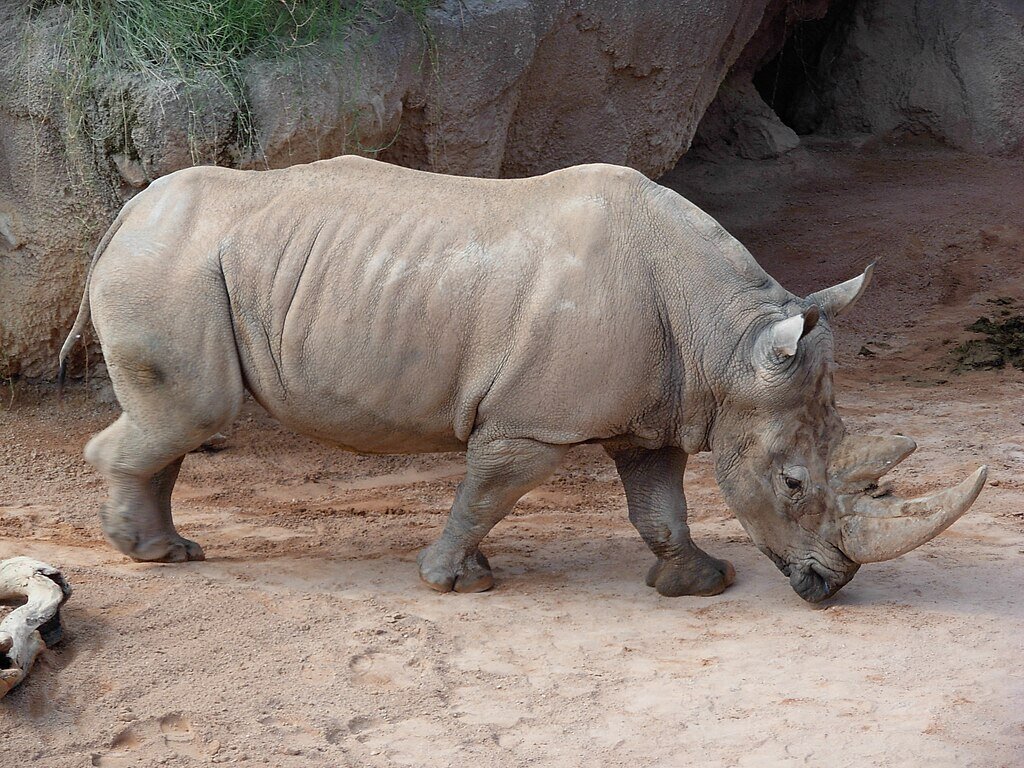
(388, 310)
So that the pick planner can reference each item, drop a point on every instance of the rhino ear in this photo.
(837, 299)
(781, 338)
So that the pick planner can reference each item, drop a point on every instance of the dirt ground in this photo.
(306, 638)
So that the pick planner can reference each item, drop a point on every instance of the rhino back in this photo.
(392, 310)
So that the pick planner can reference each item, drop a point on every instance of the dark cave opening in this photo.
(792, 83)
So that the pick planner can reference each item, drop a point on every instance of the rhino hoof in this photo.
(182, 550)
(445, 574)
(700, 576)
(159, 547)
(176, 550)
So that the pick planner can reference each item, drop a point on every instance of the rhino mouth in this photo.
(811, 580)
(815, 583)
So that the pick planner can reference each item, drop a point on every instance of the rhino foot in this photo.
(164, 547)
(699, 574)
(442, 571)
(177, 549)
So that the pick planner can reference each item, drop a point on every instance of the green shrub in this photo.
(186, 35)
(188, 44)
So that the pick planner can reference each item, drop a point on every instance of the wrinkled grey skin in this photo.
(783, 426)
(395, 311)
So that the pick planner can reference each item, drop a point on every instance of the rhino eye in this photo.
(795, 478)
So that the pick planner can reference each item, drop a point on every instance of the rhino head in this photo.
(805, 491)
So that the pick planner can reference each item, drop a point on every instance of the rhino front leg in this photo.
(498, 473)
(657, 508)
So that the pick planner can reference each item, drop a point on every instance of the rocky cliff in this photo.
(479, 87)
(492, 87)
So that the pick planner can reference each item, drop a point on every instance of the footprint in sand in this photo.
(380, 670)
(140, 742)
(176, 729)
(359, 728)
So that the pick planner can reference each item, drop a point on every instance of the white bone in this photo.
(20, 641)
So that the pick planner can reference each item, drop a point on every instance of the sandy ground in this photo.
(306, 638)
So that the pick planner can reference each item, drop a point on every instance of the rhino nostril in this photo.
(822, 574)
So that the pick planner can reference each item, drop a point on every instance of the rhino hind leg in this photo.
(140, 469)
(653, 480)
(498, 473)
(171, 355)
(164, 417)
(137, 517)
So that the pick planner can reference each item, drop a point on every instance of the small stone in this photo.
(131, 170)
(7, 230)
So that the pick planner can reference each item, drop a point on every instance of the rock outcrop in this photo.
(527, 87)
(496, 87)
(739, 123)
(948, 70)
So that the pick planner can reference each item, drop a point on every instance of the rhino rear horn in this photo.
(839, 298)
(876, 529)
(860, 460)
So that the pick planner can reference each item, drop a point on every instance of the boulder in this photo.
(739, 123)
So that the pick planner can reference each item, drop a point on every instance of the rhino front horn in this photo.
(876, 529)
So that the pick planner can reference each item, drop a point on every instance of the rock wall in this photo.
(499, 88)
(953, 71)
(522, 88)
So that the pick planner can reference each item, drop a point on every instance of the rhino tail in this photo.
(83, 308)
